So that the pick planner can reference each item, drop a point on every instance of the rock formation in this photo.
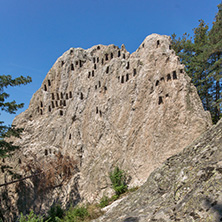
(104, 107)
(187, 187)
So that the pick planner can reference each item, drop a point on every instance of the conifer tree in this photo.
(6, 148)
(200, 64)
(215, 59)
(193, 54)
(184, 49)
(202, 57)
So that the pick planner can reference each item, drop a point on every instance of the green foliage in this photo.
(76, 214)
(30, 218)
(215, 60)
(73, 214)
(9, 107)
(105, 201)
(7, 148)
(114, 197)
(119, 180)
(55, 213)
(202, 57)
(5, 81)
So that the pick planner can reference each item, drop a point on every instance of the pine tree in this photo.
(202, 57)
(200, 64)
(184, 49)
(215, 59)
(6, 148)
(193, 54)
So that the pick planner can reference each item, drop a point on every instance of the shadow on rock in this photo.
(215, 207)
(131, 219)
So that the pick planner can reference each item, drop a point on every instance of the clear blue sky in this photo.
(34, 33)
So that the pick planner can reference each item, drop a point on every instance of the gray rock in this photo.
(189, 188)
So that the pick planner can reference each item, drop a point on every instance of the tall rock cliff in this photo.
(104, 107)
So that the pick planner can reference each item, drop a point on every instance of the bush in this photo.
(119, 180)
(55, 213)
(104, 202)
(50, 172)
(76, 214)
(30, 218)
(114, 197)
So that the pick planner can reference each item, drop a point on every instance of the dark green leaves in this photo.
(10, 107)
(119, 180)
(202, 57)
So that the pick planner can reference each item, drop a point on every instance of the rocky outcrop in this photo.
(104, 107)
(187, 187)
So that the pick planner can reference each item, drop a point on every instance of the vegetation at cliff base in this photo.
(88, 212)
(31, 218)
(57, 214)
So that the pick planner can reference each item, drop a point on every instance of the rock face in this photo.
(105, 107)
(187, 187)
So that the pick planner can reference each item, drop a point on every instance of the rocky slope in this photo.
(103, 107)
(187, 187)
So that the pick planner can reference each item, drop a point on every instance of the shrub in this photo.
(104, 202)
(50, 172)
(30, 218)
(114, 197)
(119, 180)
(76, 214)
(55, 213)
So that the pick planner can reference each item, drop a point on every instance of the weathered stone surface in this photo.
(105, 107)
(187, 187)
